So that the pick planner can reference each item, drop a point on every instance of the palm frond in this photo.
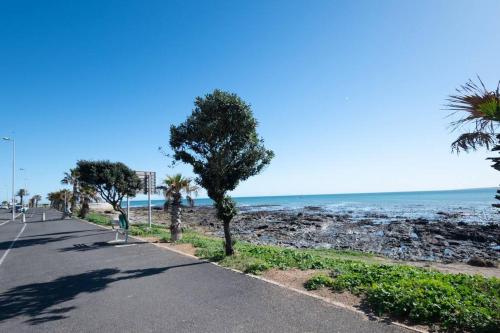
(472, 141)
(480, 110)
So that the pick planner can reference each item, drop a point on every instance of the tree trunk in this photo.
(227, 236)
(85, 209)
(175, 221)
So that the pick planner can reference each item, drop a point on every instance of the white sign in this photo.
(148, 180)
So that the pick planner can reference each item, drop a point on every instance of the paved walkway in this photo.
(63, 276)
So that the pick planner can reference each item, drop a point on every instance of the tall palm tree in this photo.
(36, 198)
(173, 189)
(480, 108)
(71, 178)
(21, 193)
(59, 198)
(87, 194)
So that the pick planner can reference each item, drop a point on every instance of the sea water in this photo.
(470, 205)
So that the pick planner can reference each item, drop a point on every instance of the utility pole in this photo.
(149, 200)
(13, 175)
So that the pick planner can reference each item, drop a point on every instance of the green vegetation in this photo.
(58, 198)
(111, 180)
(480, 108)
(220, 141)
(71, 178)
(21, 193)
(98, 219)
(455, 301)
(318, 281)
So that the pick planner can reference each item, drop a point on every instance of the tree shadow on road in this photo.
(96, 245)
(65, 232)
(41, 302)
(32, 241)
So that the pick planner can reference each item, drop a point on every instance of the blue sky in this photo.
(349, 94)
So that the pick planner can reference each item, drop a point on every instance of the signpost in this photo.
(148, 179)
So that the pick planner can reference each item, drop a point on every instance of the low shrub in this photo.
(455, 301)
(318, 281)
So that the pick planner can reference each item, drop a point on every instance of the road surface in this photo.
(63, 276)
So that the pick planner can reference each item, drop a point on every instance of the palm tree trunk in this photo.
(228, 241)
(85, 208)
(175, 221)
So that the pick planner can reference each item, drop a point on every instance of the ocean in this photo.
(471, 205)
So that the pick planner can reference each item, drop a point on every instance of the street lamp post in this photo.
(13, 175)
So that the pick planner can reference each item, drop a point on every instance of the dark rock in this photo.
(480, 262)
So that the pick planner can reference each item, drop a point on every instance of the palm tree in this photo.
(173, 188)
(496, 166)
(481, 120)
(59, 198)
(87, 195)
(71, 178)
(481, 109)
(36, 198)
(21, 193)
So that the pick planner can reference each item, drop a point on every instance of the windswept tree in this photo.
(219, 140)
(111, 180)
(71, 178)
(479, 109)
(22, 193)
(87, 195)
(59, 199)
(173, 188)
(36, 198)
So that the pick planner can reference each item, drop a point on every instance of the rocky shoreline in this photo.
(447, 239)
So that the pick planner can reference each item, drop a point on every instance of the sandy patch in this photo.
(296, 278)
(456, 268)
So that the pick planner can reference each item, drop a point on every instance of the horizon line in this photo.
(346, 193)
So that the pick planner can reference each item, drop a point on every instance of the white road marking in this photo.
(1, 224)
(12, 244)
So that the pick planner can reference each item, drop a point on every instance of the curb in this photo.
(302, 292)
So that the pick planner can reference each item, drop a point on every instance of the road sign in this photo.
(148, 180)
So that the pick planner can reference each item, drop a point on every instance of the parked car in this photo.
(19, 209)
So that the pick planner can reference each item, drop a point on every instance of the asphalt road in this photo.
(63, 276)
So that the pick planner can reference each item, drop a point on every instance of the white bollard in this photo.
(43, 216)
(24, 218)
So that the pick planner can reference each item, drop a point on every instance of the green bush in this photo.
(456, 301)
(318, 281)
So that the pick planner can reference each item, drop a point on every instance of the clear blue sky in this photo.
(349, 94)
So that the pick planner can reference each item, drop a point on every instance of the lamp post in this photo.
(13, 175)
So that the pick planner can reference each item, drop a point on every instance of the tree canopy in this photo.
(111, 180)
(480, 110)
(219, 139)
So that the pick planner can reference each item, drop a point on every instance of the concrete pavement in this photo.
(63, 276)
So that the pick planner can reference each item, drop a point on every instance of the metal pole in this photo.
(149, 200)
(128, 208)
(13, 180)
